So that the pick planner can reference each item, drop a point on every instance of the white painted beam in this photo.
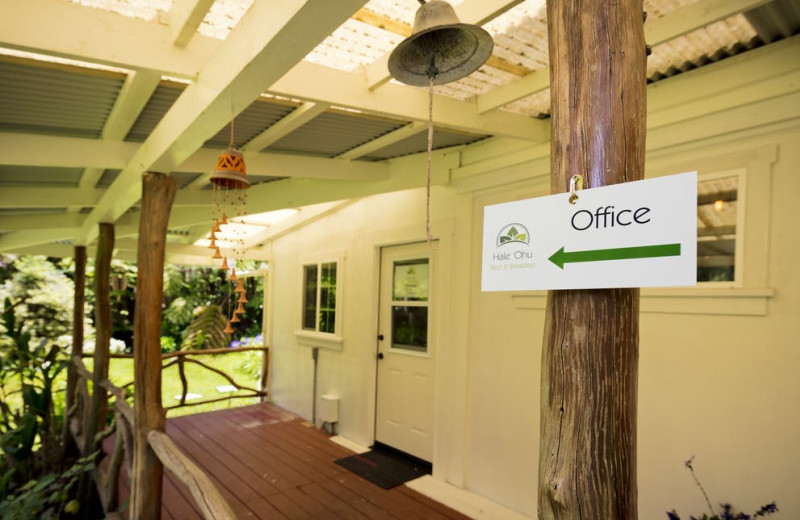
(694, 16)
(50, 197)
(21, 239)
(476, 12)
(131, 100)
(288, 165)
(384, 140)
(46, 221)
(406, 173)
(68, 152)
(268, 41)
(291, 122)
(323, 84)
(288, 124)
(69, 30)
(185, 17)
(677, 23)
(26, 150)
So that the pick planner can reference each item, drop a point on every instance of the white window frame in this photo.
(315, 338)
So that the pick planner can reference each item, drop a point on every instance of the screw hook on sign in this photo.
(575, 185)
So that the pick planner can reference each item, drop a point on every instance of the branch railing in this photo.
(206, 494)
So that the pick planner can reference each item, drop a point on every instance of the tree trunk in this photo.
(70, 448)
(103, 327)
(158, 193)
(587, 453)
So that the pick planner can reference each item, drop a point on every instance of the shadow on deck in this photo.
(271, 464)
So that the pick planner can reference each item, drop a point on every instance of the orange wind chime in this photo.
(229, 201)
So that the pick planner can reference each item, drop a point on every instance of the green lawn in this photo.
(200, 380)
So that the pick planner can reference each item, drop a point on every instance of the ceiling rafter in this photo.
(322, 84)
(268, 41)
(368, 17)
(25, 150)
(99, 37)
(185, 17)
(477, 12)
(385, 140)
(93, 35)
(677, 23)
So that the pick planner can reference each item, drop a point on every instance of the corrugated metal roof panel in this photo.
(253, 120)
(419, 143)
(775, 20)
(39, 97)
(333, 133)
(161, 101)
(11, 175)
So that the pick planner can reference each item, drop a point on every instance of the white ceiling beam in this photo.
(694, 16)
(677, 23)
(48, 221)
(51, 250)
(70, 30)
(291, 122)
(287, 165)
(266, 43)
(29, 197)
(476, 12)
(294, 120)
(406, 173)
(26, 150)
(313, 82)
(131, 100)
(67, 152)
(20, 239)
(384, 140)
(185, 17)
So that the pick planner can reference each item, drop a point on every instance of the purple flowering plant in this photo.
(727, 512)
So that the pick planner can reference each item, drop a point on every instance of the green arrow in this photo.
(561, 257)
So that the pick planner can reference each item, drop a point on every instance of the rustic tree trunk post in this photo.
(70, 448)
(158, 193)
(103, 326)
(587, 453)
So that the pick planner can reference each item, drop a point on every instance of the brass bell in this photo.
(440, 47)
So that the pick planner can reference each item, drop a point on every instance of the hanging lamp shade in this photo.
(440, 46)
(228, 328)
(243, 298)
(230, 172)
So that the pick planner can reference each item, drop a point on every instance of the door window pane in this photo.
(410, 281)
(410, 328)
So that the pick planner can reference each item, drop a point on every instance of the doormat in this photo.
(385, 467)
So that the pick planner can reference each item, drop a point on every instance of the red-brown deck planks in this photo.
(272, 465)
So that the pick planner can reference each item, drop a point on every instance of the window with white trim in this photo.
(319, 297)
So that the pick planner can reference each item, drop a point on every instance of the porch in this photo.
(271, 464)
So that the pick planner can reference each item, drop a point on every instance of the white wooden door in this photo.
(404, 414)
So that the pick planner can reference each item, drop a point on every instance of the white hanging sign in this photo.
(635, 234)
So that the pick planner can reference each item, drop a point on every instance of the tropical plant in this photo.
(726, 512)
(206, 330)
(31, 372)
(47, 497)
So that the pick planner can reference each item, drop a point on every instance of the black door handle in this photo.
(380, 337)
(380, 355)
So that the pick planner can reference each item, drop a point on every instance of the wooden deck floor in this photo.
(272, 465)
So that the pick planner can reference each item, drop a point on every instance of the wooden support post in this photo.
(103, 328)
(158, 193)
(587, 453)
(70, 448)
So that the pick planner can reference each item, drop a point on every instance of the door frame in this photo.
(423, 250)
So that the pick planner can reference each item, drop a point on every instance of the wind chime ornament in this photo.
(229, 201)
(440, 49)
